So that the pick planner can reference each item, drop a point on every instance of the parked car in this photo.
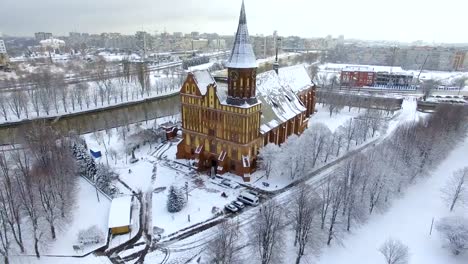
(231, 208)
(230, 184)
(240, 205)
(248, 198)
(254, 193)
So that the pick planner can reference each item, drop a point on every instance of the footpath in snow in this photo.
(408, 220)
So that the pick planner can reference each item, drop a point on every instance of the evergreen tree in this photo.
(175, 200)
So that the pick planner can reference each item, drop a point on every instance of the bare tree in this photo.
(16, 103)
(325, 192)
(9, 202)
(53, 173)
(26, 193)
(224, 248)
(337, 198)
(99, 137)
(268, 156)
(455, 189)
(460, 83)
(349, 130)
(305, 205)
(3, 106)
(267, 231)
(64, 97)
(428, 87)
(455, 231)
(316, 139)
(4, 239)
(290, 158)
(395, 252)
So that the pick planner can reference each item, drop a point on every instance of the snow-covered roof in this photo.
(358, 69)
(242, 55)
(120, 210)
(279, 102)
(276, 92)
(295, 78)
(203, 79)
(52, 41)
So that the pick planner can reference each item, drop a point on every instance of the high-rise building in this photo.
(3, 54)
(2, 47)
(42, 36)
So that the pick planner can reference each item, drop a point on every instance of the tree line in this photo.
(50, 94)
(336, 101)
(37, 191)
(318, 145)
(318, 215)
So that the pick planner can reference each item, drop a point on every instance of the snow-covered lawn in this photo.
(203, 194)
(334, 121)
(87, 212)
(409, 220)
(408, 113)
(91, 259)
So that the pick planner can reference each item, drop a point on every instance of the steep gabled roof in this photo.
(295, 78)
(203, 79)
(279, 103)
(242, 55)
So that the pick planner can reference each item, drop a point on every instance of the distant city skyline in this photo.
(404, 21)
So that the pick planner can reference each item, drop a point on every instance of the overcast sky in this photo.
(402, 20)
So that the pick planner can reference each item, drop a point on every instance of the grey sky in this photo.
(405, 20)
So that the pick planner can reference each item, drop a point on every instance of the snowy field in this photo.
(203, 194)
(336, 120)
(90, 259)
(408, 113)
(88, 212)
(409, 220)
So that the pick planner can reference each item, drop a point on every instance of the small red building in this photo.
(354, 76)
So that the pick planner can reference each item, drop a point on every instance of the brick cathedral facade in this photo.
(225, 124)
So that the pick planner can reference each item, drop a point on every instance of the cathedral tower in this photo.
(242, 67)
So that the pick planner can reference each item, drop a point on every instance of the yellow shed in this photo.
(120, 215)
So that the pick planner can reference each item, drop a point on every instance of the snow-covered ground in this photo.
(366, 241)
(409, 220)
(203, 193)
(88, 212)
(336, 120)
(123, 93)
(408, 113)
(90, 259)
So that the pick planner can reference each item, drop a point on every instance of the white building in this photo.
(52, 43)
(2, 47)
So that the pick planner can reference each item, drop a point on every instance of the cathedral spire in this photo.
(242, 55)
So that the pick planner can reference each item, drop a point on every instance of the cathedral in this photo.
(224, 124)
